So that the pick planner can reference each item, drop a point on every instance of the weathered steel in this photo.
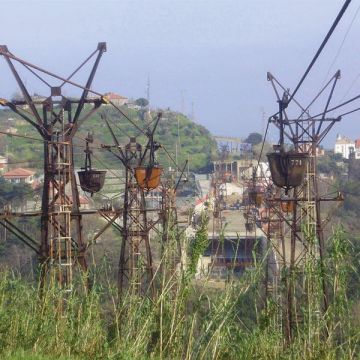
(136, 269)
(62, 245)
(300, 211)
(287, 168)
(148, 178)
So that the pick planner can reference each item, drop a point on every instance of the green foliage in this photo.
(254, 138)
(180, 136)
(195, 321)
(198, 246)
(331, 164)
(354, 169)
(14, 193)
(142, 102)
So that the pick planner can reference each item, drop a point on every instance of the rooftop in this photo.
(114, 96)
(19, 172)
(343, 140)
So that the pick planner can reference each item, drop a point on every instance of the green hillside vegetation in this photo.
(181, 137)
(192, 321)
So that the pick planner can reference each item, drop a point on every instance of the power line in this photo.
(47, 141)
(327, 37)
(342, 43)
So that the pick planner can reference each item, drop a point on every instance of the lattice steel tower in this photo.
(57, 119)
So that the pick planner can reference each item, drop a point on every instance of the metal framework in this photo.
(135, 264)
(171, 247)
(304, 226)
(136, 269)
(219, 193)
(57, 120)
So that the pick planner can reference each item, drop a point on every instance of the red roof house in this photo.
(117, 99)
(20, 175)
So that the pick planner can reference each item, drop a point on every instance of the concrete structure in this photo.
(230, 256)
(20, 175)
(344, 146)
(237, 170)
(234, 145)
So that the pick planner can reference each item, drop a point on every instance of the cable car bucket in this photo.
(148, 176)
(287, 169)
(91, 180)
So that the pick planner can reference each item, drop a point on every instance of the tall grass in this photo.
(194, 321)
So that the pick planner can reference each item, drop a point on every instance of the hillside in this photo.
(181, 137)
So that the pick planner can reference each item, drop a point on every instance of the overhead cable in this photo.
(326, 39)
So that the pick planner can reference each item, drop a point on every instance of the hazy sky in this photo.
(212, 53)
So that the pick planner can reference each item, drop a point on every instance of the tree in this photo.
(13, 193)
(331, 164)
(254, 138)
(141, 102)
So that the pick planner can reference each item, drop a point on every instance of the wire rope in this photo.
(318, 52)
(342, 42)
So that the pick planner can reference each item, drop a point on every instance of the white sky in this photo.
(210, 52)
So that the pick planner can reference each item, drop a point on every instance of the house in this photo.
(3, 163)
(84, 202)
(235, 170)
(20, 175)
(116, 99)
(38, 99)
(11, 130)
(344, 146)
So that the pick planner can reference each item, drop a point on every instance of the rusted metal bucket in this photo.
(287, 168)
(91, 181)
(148, 178)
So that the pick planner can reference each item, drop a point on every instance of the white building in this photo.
(20, 175)
(344, 146)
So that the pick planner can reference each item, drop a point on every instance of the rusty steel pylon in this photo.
(57, 119)
(136, 269)
(136, 273)
(297, 201)
(218, 184)
(219, 194)
(171, 266)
